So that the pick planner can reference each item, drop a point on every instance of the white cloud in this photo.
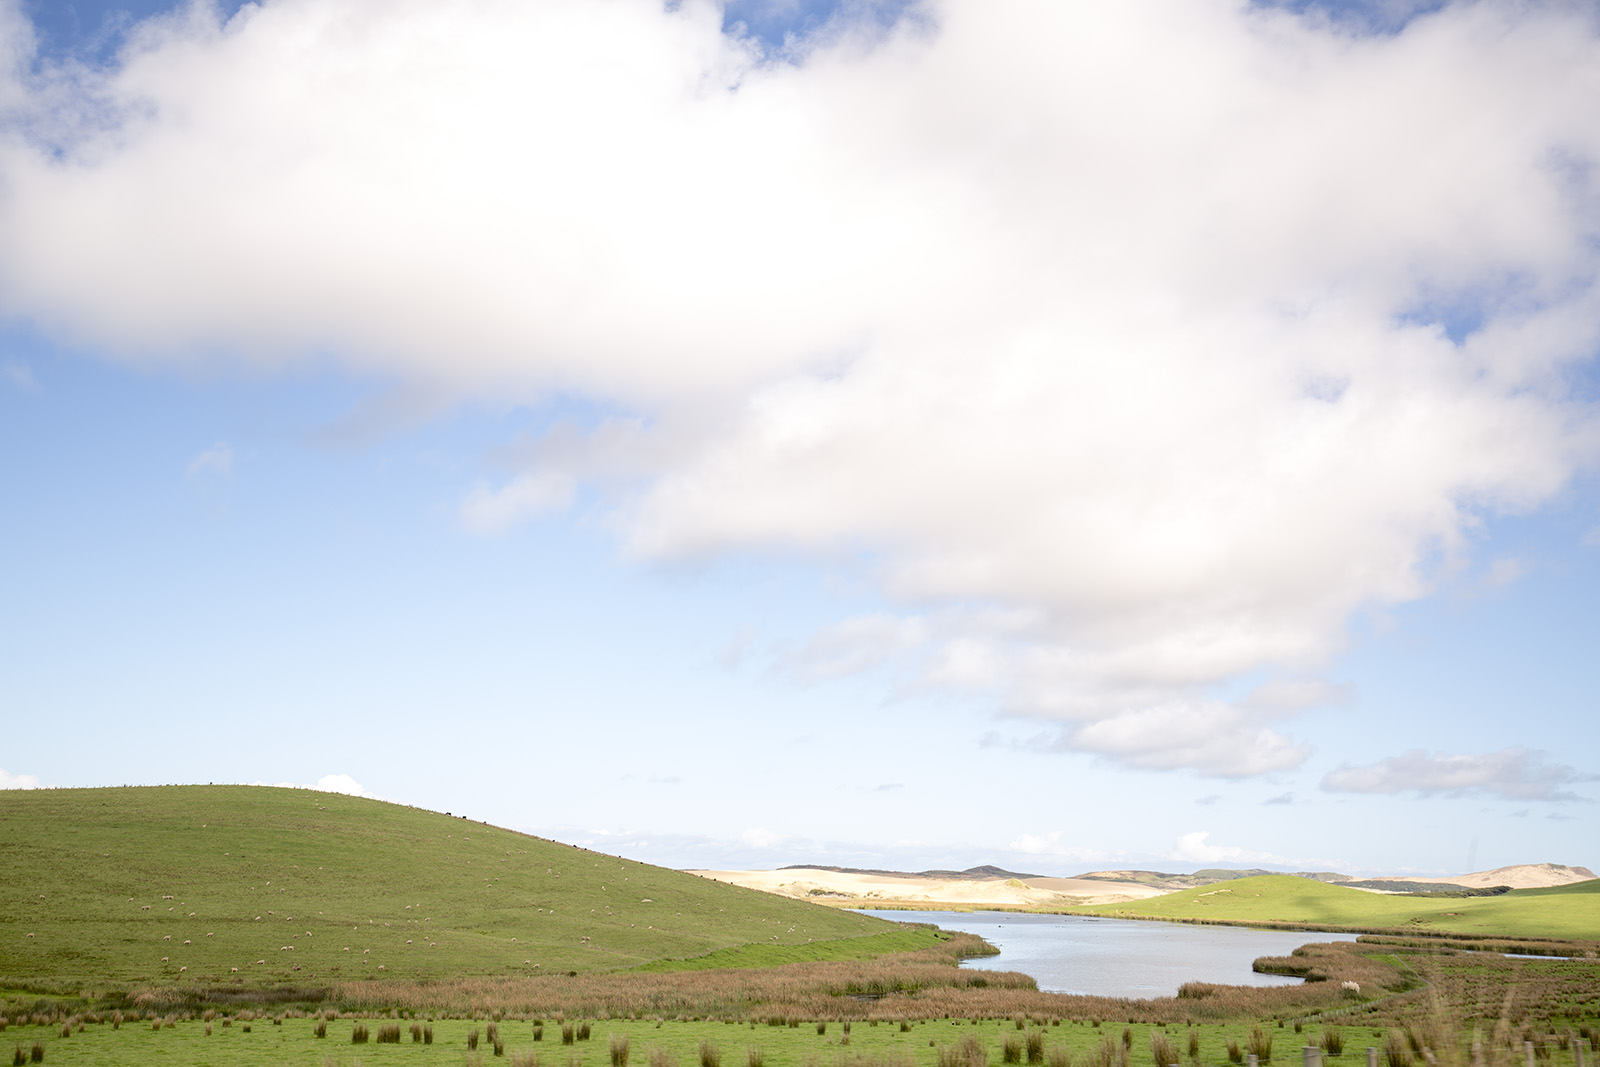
(19, 376)
(1513, 773)
(331, 783)
(218, 460)
(343, 783)
(1196, 847)
(760, 838)
(492, 511)
(1050, 845)
(17, 781)
(987, 304)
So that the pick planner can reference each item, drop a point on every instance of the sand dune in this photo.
(1521, 876)
(862, 889)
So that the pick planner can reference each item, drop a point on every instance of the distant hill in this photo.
(256, 885)
(971, 873)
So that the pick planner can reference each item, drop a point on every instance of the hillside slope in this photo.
(1571, 911)
(257, 885)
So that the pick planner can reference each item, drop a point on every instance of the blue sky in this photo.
(891, 436)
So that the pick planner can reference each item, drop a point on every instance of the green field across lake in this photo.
(1569, 911)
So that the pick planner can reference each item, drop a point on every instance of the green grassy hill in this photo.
(257, 885)
(1569, 911)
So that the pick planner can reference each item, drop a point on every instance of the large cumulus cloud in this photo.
(1129, 348)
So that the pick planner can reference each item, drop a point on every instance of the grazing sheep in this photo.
(163, 959)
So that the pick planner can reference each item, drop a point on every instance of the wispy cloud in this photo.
(19, 376)
(17, 781)
(488, 510)
(216, 460)
(1513, 773)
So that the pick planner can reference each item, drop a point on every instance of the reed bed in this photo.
(925, 984)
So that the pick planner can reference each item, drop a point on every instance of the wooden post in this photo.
(1372, 1056)
(1527, 1053)
(1311, 1056)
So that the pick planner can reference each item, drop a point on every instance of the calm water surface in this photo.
(1118, 957)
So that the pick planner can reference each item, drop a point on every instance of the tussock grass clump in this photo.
(472, 1039)
(492, 1032)
(1163, 1053)
(358, 1034)
(1234, 1055)
(1332, 1041)
(754, 1057)
(1060, 1056)
(584, 1031)
(538, 1032)
(1035, 1044)
(569, 1033)
(710, 1055)
(389, 1035)
(525, 1059)
(1011, 1049)
(1396, 1052)
(660, 1057)
(427, 1035)
(19, 1057)
(36, 1054)
(319, 1030)
(1260, 1043)
(1194, 1045)
(620, 1048)
(969, 1053)
(416, 1033)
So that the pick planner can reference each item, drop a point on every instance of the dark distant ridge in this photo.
(971, 873)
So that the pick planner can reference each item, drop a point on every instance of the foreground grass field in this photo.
(203, 885)
(1570, 911)
(913, 1043)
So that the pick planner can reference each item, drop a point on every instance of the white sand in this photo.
(861, 890)
(1521, 876)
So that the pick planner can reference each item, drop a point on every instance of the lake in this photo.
(1118, 957)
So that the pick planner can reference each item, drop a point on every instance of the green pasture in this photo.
(1571, 911)
(292, 1042)
(260, 886)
